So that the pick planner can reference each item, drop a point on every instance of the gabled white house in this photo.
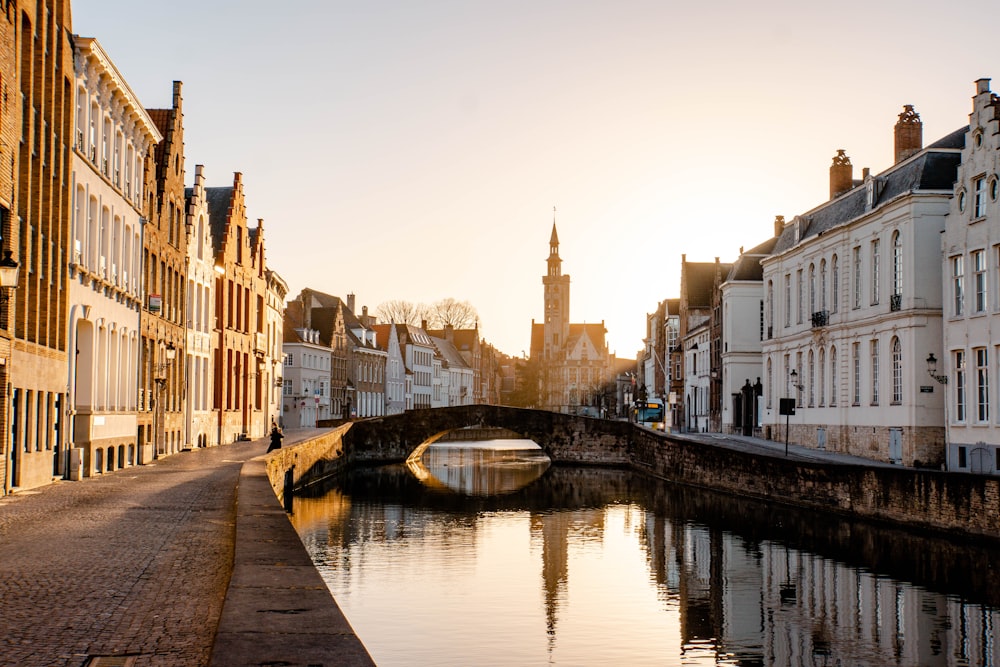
(853, 308)
(971, 257)
(387, 339)
(200, 421)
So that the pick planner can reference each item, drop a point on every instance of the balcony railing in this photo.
(895, 302)
(820, 318)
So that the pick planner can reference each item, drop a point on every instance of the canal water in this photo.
(484, 554)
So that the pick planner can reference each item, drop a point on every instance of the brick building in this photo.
(161, 376)
(38, 363)
(240, 293)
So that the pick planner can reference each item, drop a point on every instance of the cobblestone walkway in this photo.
(135, 562)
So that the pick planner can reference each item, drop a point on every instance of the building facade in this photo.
(114, 136)
(200, 424)
(573, 361)
(37, 232)
(853, 307)
(971, 284)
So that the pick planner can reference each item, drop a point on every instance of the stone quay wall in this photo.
(309, 462)
(926, 499)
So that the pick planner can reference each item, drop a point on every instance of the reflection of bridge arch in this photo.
(564, 438)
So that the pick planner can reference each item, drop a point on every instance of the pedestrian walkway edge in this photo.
(278, 610)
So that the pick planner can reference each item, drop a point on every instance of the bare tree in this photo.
(401, 312)
(458, 314)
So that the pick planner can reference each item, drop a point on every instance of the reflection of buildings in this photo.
(770, 604)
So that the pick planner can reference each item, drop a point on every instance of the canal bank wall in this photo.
(918, 498)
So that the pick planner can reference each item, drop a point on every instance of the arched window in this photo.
(897, 371)
(897, 264)
(812, 379)
(834, 284)
(822, 284)
(812, 289)
(833, 376)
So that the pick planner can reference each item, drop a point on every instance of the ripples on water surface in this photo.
(480, 559)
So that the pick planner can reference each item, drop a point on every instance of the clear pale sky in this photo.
(415, 150)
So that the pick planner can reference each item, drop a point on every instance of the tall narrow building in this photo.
(38, 236)
(573, 362)
(161, 379)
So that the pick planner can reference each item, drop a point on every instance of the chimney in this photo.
(982, 86)
(908, 133)
(350, 303)
(779, 224)
(841, 174)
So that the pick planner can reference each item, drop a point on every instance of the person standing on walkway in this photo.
(276, 437)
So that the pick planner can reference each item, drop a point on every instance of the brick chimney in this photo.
(350, 303)
(908, 133)
(841, 174)
(779, 224)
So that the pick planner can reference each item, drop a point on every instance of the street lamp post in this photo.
(943, 380)
(160, 378)
(10, 272)
(793, 376)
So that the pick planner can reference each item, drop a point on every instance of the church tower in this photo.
(556, 325)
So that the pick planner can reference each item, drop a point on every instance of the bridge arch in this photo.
(564, 438)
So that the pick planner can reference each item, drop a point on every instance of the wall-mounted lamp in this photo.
(10, 270)
(795, 377)
(932, 369)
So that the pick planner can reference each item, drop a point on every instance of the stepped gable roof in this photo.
(700, 282)
(934, 168)
(449, 353)
(218, 200)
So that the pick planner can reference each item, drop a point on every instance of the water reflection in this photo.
(485, 468)
(597, 567)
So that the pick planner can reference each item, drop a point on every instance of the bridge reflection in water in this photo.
(590, 566)
(480, 468)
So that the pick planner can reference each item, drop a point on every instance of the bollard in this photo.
(286, 493)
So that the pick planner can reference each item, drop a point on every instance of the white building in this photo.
(395, 369)
(697, 378)
(200, 421)
(113, 137)
(742, 296)
(971, 257)
(273, 361)
(308, 363)
(853, 308)
(457, 375)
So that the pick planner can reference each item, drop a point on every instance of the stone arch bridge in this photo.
(565, 438)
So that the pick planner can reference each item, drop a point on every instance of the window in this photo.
(856, 258)
(876, 285)
(798, 296)
(822, 377)
(959, 386)
(874, 347)
(856, 358)
(288, 387)
(897, 371)
(833, 376)
(957, 287)
(822, 284)
(982, 384)
(812, 379)
(812, 288)
(979, 197)
(788, 299)
(835, 284)
(770, 308)
(897, 264)
(979, 280)
(288, 359)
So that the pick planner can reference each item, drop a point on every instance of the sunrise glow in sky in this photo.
(415, 150)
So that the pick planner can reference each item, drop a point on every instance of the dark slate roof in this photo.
(934, 168)
(218, 213)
